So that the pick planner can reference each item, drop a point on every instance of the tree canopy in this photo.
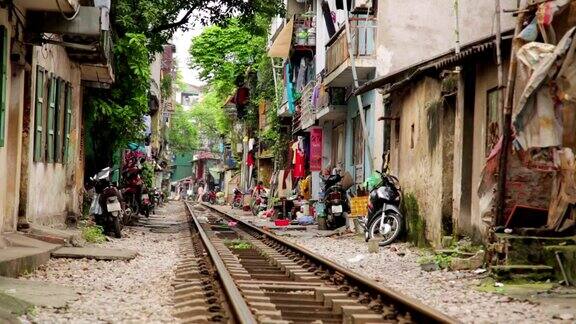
(223, 53)
(159, 19)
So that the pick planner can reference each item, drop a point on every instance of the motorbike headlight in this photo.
(384, 193)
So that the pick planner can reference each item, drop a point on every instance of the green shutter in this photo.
(38, 114)
(3, 80)
(67, 122)
(58, 125)
(50, 123)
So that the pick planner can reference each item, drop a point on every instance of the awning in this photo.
(282, 43)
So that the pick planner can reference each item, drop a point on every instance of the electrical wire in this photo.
(77, 10)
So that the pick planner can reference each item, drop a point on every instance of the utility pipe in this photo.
(507, 123)
(356, 85)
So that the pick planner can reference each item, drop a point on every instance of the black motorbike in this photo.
(384, 221)
(108, 206)
(335, 201)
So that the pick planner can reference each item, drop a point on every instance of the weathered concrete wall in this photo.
(486, 79)
(9, 153)
(419, 155)
(411, 31)
(54, 189)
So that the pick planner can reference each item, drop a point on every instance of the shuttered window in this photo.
(3, 81)
(67, 122)
(39, 115)
(59, 120)
(51, 119)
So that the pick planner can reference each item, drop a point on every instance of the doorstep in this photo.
(23, 254)
(95, 253)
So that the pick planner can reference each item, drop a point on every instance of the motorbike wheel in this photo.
(212, 201)
(255, 210)
(147, 213)
(394, 220)
(334, 222)
(127, 218)
(117, 227)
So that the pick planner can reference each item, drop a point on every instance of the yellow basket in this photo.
(359, 206)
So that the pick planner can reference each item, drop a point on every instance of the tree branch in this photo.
(179, 23)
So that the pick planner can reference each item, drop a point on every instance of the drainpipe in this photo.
(358, 97)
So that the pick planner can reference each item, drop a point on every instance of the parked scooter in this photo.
(384, 221)
(133, 185)
(260, 203)
(209, 196)
(238, 197)
(146, 204)
(107, 206)
(335, 201)
(259, 198)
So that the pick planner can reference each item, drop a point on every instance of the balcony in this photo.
(338, 66)
(305, 115)
(86, 38)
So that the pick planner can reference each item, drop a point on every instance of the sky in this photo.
(182, 41)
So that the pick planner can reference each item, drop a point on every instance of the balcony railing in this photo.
(363, 36)
(305, 115)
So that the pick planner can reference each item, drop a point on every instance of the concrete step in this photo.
(94, 253)
(23, 254)
(537, 272)
(529, 249)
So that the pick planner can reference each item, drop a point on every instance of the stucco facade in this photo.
(55, 189)
(42, 159)
(9, 152)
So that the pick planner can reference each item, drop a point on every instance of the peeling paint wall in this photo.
(54, 189)
(417, 159)
(9, 153)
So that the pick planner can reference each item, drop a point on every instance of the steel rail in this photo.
(237, 302)
(419, 311)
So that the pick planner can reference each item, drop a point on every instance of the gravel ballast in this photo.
(136, 291)
(397, 267)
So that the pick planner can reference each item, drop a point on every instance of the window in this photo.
(338, 138)
(412, 136)
(59, 120)
(358, 141)
(387, 126)
(50, 124)
(39, 115)
(67, 122)
(493, 119)
(3, 80)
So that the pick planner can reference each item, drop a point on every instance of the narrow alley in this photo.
(287, 161)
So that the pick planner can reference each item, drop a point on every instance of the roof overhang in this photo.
(283, 42)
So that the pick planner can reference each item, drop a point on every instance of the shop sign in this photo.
(316, 149)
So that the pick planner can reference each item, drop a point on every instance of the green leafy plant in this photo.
(443, 261)
(93, 234)
(238, 244)
(148, 174)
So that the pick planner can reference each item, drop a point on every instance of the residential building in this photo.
(46, 62)
(189, 95)
(442, 118)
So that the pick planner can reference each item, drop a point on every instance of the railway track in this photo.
(237, 273)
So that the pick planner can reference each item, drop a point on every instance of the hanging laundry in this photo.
(289, 88)
(328, 19)
(301, 75)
